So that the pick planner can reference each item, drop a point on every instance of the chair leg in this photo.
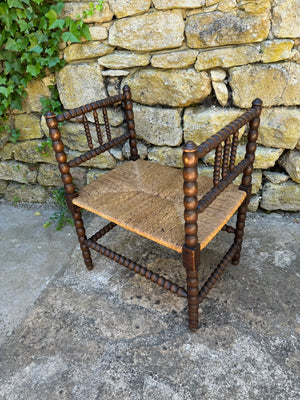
(191, 261)
(82, 240)
(239, 233)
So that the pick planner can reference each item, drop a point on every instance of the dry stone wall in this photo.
(193, 65)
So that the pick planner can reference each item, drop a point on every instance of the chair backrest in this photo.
(225, 143)
(84, 114)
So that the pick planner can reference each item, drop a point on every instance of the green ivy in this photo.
(30, 34)
(63, 215)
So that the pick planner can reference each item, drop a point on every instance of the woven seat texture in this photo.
(147, 198)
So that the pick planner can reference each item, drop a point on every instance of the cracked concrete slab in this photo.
(110, 334)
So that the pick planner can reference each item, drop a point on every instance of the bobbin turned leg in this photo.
(191, 248)
(191, 261)
(66, 176)
(246, 181)
(82, 240)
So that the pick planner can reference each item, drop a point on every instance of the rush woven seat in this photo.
(154, 207)
(173, 207)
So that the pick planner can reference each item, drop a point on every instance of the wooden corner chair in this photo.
(159, 202)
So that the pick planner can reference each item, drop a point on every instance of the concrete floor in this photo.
(108, 334)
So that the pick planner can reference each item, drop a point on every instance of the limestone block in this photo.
(3, 186)
(174, 88)
(200, 123)
(148, 32)
(29, 193)
(176, 59)
(217, 75)
(276, 50)
(14, 171)
(117, 153)
(284, 196)
(159, 126)
(276, 177)
(103, 161)
(35, 90)
(115, 72)
(275, 84)
(285, 23)
(221, 92)
(124, 59)
(49, 175)
(6, 153)
(265, 157)
(254, 6)
(82, 51)
(227, 57)
(254, 203)
(80, 84)
(4, 138)
(73, 135)
(168, 4)
(72, 9)
(124, 8)
(220, 5)
(113, 86)
(29, 126)
(279, 127)
(93, 174)
(27, 152)
(98, 32)
(171, 156)
(218, 29)
(141, 148)
(291, 163)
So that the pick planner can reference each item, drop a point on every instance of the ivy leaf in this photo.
(68, 36)
(15, 4)
(57, 7)
(59, 23)
(11, 45)
(34, 70)
(52, 17)
(86, 31)
(53, 61)
(37, 49)
(4, 91)
(24, 26)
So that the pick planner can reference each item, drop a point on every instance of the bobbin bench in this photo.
(159, 202)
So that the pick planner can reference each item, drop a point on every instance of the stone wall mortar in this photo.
(192, 65)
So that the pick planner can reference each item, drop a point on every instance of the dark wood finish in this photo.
(215, 276)
(213, 193)
(87, 131)
(98, 128)
(191, 248)
(138, 269)
(217, 165)
(66, 176)
(235, 142)
(130, 123)
(247, 179)
(191, 261)
(106, 123)
(219, 196)
(226, 152)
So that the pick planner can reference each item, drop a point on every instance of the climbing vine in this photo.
(30, 34)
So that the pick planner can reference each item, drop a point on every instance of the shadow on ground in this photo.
(109, 334)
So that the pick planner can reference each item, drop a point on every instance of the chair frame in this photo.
(224, 156)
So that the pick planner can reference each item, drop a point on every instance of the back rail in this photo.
(98, 150)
